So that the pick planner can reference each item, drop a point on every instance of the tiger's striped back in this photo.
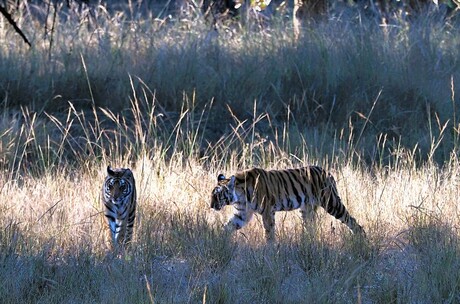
(119, 197)
(266, 192)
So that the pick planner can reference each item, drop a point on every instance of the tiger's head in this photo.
(118, 185)
(224, 193)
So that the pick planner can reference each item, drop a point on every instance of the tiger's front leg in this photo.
(240, 218)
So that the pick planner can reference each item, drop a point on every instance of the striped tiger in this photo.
(119, 197)
(265, 192)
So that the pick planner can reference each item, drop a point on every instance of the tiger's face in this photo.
(224, 193)
(117, 185)
(117, 190)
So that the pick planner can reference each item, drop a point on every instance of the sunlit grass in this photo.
(52, 227)
(179, 104)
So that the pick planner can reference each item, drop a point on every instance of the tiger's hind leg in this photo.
(268, 219)
(308, 212)
(332, 203)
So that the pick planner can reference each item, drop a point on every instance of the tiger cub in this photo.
(119, 197)
(265, 192)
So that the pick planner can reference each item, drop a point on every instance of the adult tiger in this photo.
(119, 197)
(266, 192)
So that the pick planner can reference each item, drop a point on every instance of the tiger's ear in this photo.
(110, 171)
(231, 183)
(220, 177)
(128, 173)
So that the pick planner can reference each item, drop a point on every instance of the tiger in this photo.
(119, 197)
(269, 191)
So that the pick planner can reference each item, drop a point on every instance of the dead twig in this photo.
(13, 23)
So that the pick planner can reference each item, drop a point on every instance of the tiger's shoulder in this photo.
(249, 175)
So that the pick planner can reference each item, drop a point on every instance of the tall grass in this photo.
(332, 73)
(52, 226)
(179, 105)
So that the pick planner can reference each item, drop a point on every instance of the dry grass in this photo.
(52, 248)
(376, 106)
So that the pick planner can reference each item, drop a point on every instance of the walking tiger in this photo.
(266, 192)
(119, 197)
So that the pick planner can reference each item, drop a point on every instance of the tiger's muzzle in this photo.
(215, 204)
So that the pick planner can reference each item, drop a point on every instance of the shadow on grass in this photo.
(180, 257)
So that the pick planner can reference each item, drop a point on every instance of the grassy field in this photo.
(179, 103)
(52, 249)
